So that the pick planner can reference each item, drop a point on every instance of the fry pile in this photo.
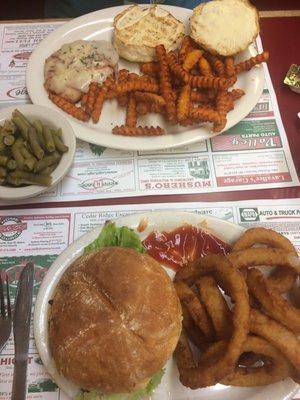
(188, 88)
(249, 335)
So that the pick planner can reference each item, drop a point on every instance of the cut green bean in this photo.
(28, 178)
(34, 143)
(29, 164)
(60, 146)
(3, 161)
(17, 113)
(23, 128)
(57, 132)
(9, 128)
(48, 138)
(47, 161)
(3, 172)
(9, 140)
(25, 153)
(16, 152)
(38, 126)
(49, 170)
(11, 164)
(2, 144)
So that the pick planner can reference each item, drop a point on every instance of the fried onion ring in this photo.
(208, 374)
(215, 305)
(272, 301)
(195, 308)
(276, 369)
(276, 334)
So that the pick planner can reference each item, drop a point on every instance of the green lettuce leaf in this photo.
(111, 235)
(137, 395)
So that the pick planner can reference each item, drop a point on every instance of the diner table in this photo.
(280, 36)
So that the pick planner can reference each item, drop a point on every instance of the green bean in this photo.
(3, 161)
(34, 144)
(3, 172)
(38, 126)
(11, 164)
(47, 161)
(9, 140)
(50, 146)
(57, 132)
(16, 152)
(49, 170)
(2, 144)
(9, 128)
(29, 164)
(60, 146)
(28, 178)
(17, 113)
(23, 128)
(25, 153)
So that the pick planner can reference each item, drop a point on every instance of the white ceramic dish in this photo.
(170, 388)
(53, 119)
(98, 25)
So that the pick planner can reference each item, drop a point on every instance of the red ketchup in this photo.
(179, 247)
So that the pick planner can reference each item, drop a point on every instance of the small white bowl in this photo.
(55, 120)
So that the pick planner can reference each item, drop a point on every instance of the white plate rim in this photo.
(229, 232)
(86, 133)
(57, 120)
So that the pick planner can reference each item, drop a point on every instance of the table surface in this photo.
(279, 33)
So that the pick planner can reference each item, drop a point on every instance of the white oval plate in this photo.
(99, 25)
(55, 120)
(170, 387)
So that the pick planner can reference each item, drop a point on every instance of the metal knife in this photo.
(21, 328)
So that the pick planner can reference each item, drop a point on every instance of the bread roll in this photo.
(224, 27)
(138, 30)
(115, 320)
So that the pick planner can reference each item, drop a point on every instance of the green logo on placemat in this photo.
(249, 214)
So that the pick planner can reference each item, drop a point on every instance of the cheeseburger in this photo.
(114, 322)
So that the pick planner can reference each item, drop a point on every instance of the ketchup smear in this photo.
(183, 245)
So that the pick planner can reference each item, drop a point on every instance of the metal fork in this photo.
(5, 313)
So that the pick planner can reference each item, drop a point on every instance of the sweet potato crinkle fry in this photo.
(150, 68)
(69, 108)
(91, 97)
(99, 101)
(138, 130)
(251, 62)
(229, 67)
(191, 59)
(131, 114)
(204, 67)
(165, 83)
(136, 85)
(187, 45)
(183, 104)
(150, 98)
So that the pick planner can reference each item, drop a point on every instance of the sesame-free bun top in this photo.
(139, 30)
(115, 320)
(224, 27)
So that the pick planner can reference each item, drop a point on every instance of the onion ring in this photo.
(208, 374)
(276, 334)
(282, 280)
(272, 301)
(216, 306)
(196, 309)
(278, 369)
